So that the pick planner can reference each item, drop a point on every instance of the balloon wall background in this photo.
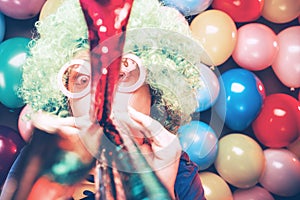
(245, 133)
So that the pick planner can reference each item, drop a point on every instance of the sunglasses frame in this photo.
(61, 85)
(142, 76)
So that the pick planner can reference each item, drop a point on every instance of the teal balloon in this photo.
(13, 54)
(2, 26)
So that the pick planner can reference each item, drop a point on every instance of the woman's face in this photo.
(131, 90)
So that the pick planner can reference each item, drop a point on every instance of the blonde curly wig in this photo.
(159, 35)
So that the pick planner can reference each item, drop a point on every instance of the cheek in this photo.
(81, 107)
(141, 103)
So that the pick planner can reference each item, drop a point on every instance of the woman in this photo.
(165, 94)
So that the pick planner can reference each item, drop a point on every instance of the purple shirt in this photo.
(188, 184)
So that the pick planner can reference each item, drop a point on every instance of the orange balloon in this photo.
(217, 33)
(240, 160)
(215, 188)
(49, 7)
(281, 11)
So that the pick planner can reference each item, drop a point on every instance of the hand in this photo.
(164, 150)
(76, 134)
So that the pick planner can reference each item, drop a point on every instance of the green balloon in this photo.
(13, 53)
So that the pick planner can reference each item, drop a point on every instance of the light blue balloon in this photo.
(2, 26)
(188, 7)
(200, 142)
(240, 99)
(207, 95)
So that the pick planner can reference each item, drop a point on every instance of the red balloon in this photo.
(240, 10)
(277, 123)
(10, 146)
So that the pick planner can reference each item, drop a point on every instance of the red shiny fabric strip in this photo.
(106, 20)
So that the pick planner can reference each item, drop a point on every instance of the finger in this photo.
(124, 117)
(135, 129)
(82, 121)
(141, 118)
(66, 131)
(155, 130)
(50, 123)
(153, 127)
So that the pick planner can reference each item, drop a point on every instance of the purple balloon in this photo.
(281, 175)
(10, 145)
(21, 9)
(254, 193)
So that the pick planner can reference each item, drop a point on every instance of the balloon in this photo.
(281, 174)
(294, 147)
(240, 99)
(256, 47)
(10, 145)
(217, 33)
(49, 7)
(24, 124)
(188, 7)
(13, 53)
(200, 142)
(2, 27)
(254, 193)
(215, 188)
(208, 94)
(287, 63)
(243, 11)
(276, 125)
(21, 9)
(240, 160)
(281, 11)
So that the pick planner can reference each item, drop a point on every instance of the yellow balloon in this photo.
(215, 188)
(281, 11)
(49, 7)
(217, 33)
(240, 160)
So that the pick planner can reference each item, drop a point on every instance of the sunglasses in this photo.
(74, 78)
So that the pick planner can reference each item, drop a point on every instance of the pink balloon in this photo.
(21, 9)
(287, 63)
(256, 47)
(281, 175)
(254, 193)
(24, 124)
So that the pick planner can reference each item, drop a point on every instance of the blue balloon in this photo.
(200, 142)
(2, 26)
(240, 98)
(188, 7)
